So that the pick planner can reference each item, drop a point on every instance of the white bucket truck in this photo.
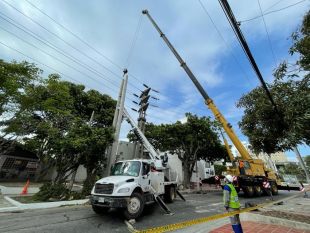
(134, 183)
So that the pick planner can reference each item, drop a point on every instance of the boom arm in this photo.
(227, 127)
(148, 146)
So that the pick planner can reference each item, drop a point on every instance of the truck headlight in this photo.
(124, 190)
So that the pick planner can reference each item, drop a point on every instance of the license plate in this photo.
(101, 199)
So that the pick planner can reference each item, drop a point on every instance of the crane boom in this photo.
(209, 102)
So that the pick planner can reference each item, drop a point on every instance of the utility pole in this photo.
(117, 120)
(302, 164)
(143, 105)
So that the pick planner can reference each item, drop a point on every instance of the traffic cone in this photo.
(25, 189)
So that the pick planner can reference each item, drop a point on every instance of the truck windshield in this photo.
(129, 168)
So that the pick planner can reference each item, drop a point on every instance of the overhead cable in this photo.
(268, 37)
(64, 41)
(234, 25)
(86, 43)
(52, 46)
(270, 12)
(227, 47)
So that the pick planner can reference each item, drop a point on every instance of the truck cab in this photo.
(130, 187)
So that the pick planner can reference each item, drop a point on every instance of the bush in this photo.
(56, 192)
(50, 191)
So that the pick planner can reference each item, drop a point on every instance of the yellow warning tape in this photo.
(180, 225)
(184, 224)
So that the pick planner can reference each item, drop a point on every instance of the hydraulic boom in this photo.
(209, 102)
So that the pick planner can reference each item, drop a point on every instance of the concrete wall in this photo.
(126, 151)
(80, 175)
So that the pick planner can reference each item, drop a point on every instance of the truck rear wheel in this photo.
(100, 210)
(248, 191)
(274, 188)
(258, 190)
(134, 207)
(169, 194)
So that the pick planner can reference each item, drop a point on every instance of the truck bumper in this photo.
(112, 202)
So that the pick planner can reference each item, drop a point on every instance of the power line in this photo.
(270, 12)
(135, 38)
(59, 60)
(52, 46)
(68, 45)
(274, 4)
(269, 41)
(222, 37)
(234, 25)
(51, 68)
(64, 41)
(79, 38)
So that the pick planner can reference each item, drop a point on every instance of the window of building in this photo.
(8, 163)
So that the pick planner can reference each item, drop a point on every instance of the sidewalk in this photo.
(8, 204)
(292, 216)
(257, 227)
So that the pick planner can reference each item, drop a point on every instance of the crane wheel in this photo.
(248, 191)
(258, 190)
(274, 188)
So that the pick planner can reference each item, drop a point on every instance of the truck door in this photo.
(145, 177)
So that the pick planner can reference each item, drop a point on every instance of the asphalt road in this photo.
(83, 219)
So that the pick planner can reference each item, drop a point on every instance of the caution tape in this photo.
(176, 226)
(180, 225)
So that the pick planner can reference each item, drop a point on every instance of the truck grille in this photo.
(104, 188)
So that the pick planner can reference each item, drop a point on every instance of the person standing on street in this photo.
(231, 203)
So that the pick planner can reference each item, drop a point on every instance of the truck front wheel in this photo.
(135, 206)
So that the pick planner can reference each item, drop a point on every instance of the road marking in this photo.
(204, 211)
(130, 227)
(215, 204)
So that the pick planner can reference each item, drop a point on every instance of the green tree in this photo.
(53, 119)
(14, 78)
(192, 140)
(268, 131)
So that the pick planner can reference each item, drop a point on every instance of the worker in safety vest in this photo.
(231, 203)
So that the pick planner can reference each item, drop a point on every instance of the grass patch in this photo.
(25, 199)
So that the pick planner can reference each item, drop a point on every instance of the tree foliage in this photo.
(52, 117)
(268, 131)
(192, 140)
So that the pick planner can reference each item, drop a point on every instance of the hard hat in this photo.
(229, 178)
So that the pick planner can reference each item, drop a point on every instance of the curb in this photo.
(9, 209)
(41, 205)
(275, 221)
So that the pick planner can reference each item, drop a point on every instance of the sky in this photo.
(91, 42)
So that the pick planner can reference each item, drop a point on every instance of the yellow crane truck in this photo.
(254, 172)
